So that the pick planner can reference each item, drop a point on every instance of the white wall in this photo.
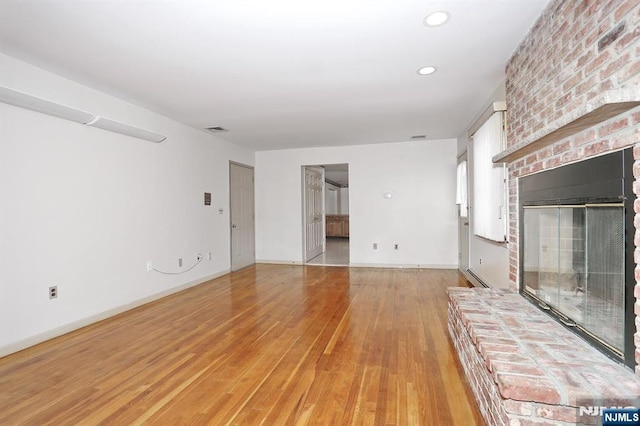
(85, 209)
(421, 216)
(344, 200)
(331, 202)
(487, 259)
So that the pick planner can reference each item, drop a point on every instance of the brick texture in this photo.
(576, 51)
(523, 367)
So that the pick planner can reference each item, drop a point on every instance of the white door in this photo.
(242, 216)
(313, 216)
(463, 229)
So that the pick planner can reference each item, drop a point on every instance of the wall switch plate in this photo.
(375, 246)
(180, 262)
(395, 247)
(149, 266)
(208, 255)
(53, 292)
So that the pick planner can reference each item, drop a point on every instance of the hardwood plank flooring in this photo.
(270, 344)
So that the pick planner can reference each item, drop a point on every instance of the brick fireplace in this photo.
(573, 88)
(573, 93)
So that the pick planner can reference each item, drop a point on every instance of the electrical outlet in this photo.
(375, 246)
(395, 246)
(199, 256)
(180, 262)
(53, 292)
(149, 266)
(209, 255)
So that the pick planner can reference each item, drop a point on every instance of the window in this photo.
(489, 180)
(461, 188)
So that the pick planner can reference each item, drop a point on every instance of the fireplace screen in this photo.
(574, 261)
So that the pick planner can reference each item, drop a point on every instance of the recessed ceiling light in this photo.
(436, 19)
(427, 70)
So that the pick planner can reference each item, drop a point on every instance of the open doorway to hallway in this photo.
(335, 197)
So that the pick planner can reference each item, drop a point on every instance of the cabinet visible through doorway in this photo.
(337, 225)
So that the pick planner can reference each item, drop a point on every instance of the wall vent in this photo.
(217, 129)
(418, 137)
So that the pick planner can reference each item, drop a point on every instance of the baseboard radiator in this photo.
(477, 281)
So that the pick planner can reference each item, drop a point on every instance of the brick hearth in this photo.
(525, 368)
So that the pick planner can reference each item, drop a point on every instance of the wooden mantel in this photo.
(607, 105)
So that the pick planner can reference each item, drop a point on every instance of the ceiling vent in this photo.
(217, 129)
(418, 137)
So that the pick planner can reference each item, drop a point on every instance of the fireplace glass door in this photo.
(574, 265)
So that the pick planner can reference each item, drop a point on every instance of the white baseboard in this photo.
(279, 262)
(404, 266)
(75, 325)
(366, 265)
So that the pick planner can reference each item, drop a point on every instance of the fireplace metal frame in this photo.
(600, 180)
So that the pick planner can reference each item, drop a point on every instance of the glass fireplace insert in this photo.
(576, 249)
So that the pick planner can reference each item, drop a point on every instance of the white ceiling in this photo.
(281, 73)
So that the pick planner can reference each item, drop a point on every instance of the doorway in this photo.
(242, 215)
(334, 216)
(313, 212)
(463, 213)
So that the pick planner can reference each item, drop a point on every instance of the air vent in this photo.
(418, 137)
(217, 129)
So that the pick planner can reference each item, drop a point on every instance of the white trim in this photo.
(279, 262)
(366, 265)
(404, 266)
(339, 265)
(76, 325)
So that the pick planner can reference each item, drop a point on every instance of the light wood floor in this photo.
(269, 344)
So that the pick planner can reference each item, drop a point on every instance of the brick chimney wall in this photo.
(576, 51)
